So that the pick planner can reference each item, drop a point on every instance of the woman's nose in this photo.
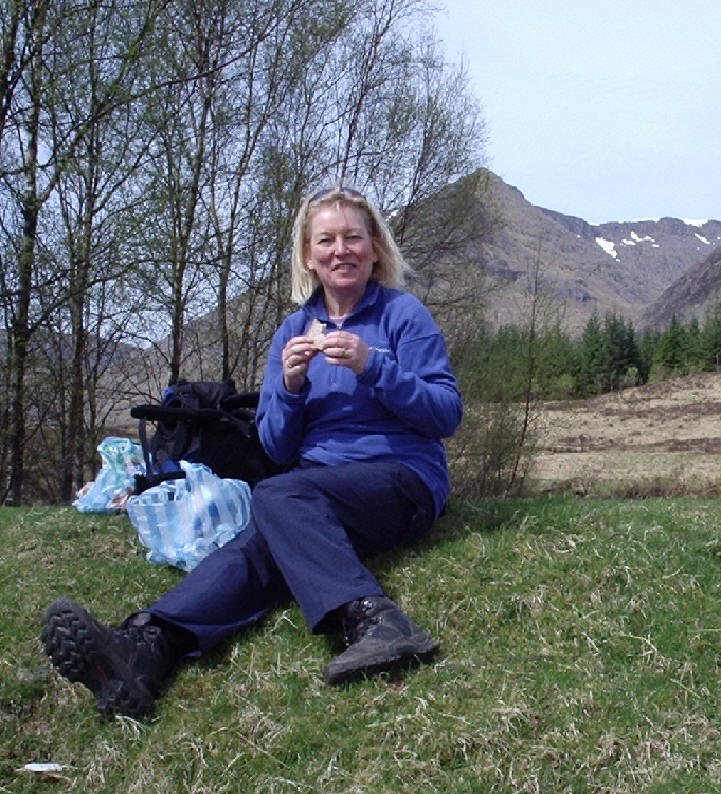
(340, 245)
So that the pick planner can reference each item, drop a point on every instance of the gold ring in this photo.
(346, 353)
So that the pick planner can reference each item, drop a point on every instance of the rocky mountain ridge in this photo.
(625, 266)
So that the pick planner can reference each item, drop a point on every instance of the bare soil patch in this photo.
(659, 439)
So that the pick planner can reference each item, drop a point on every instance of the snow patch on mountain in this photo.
(636, 238)
(608, 246)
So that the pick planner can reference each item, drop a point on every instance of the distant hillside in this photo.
(690, 296)
(624, 266)
(474, 246)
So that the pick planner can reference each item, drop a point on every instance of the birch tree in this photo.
(44, 141)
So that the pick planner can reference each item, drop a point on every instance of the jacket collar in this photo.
(315, 305)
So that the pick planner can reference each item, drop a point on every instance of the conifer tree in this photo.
(620, 351)
(670, 356)
(557, 365)
(711, 338)
(591, 357)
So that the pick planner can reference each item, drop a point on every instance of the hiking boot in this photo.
(124, 668)
(379, 637)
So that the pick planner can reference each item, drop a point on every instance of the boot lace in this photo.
(356, 621)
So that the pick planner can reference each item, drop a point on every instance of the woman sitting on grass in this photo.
(357, 414)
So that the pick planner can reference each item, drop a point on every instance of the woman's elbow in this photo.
(453, 419)
(444, 422)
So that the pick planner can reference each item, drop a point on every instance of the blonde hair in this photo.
(390, 269)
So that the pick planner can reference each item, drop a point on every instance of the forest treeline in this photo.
(153, 154)
(608, 355)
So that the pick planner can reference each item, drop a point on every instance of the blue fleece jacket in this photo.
(400, 407)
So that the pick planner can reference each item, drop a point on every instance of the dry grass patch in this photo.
(660, 439)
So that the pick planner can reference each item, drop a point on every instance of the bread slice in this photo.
(317, 333)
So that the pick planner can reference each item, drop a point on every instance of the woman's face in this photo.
(340, 248)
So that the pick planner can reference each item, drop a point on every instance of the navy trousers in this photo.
(310, 528)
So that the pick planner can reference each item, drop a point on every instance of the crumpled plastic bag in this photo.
(122, 459)
(181, 521)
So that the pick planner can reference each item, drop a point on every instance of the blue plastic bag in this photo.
(122, 459)
(181, 521)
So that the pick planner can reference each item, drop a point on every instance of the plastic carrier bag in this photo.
(181, 521)
(122, 459)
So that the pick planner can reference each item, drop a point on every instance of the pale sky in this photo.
(605, 110)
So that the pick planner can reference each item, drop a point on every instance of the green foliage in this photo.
(646, 348)
(710, 341)
(557, 366)
(671, 352)
(579, 654)
(483, 451)
(607, 356)
(479, 363)
(592, 359)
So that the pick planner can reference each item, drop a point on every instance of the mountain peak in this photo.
(618, 266)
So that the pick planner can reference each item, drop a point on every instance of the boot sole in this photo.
(79, 650)
(410, 654)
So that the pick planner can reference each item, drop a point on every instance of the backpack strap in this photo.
(151, 477)
(243, 418)
(143, 482)
(143, 436)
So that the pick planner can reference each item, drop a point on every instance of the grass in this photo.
(580, 654)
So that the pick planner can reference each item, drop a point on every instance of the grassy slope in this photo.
(580, 653)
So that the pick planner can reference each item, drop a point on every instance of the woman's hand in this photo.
(344, 349)
(296, 357)
(340, 348)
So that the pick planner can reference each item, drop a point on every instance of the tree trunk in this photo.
(21, 323)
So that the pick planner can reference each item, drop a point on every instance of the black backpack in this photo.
(202, 422)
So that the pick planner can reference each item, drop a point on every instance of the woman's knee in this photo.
(281, 486)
